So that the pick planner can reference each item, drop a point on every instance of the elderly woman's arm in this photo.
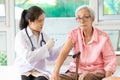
(109, 58)
(63, 54)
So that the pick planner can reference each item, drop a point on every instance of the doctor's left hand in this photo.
(50, 43)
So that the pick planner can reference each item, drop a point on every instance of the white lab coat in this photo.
(26, 59)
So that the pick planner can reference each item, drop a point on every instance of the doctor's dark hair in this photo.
(31, 14)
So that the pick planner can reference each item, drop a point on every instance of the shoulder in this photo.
(20, 33)
(75, 31)
(101, 33)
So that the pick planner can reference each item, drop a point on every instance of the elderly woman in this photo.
(97, 59)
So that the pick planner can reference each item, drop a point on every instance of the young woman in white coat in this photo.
(33, 47)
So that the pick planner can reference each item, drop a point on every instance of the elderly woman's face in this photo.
(83, 18)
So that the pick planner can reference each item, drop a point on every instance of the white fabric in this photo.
(9, 73)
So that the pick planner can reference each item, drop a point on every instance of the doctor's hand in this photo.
(50, 43)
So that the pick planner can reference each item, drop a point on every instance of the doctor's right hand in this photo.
(50, 43)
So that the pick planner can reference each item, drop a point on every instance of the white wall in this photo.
(58, 28)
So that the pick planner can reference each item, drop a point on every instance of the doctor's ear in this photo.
(29, 22)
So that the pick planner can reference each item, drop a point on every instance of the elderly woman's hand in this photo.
(108, 73)
(55, 76)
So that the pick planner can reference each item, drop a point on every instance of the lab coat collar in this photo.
(29, 31)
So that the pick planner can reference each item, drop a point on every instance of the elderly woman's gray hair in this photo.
(85, 7)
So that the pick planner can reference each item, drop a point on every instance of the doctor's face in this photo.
(37, 24)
